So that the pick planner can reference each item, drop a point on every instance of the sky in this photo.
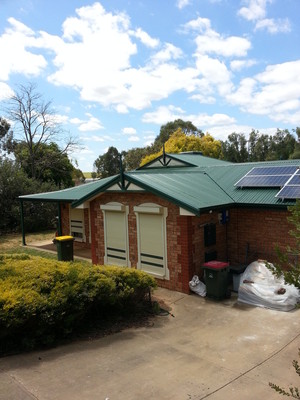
(117, 70)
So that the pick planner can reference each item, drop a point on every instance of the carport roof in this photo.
(201, 183)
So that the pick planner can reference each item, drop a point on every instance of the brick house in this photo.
(180, 210)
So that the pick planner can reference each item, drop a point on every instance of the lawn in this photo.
(12, 243)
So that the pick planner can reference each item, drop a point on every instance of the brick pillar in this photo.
(94, 242)
(185, 240)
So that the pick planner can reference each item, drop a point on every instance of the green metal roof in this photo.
(228, 175)
(191, 189)
(199, 160)
(206, 185)
(76, 193)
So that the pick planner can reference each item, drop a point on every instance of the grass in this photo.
(12, 243)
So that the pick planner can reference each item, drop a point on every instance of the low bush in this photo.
(43, 300)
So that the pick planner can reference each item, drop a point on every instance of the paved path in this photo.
(208, 350)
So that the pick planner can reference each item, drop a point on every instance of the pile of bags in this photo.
(261, 288)
(197, 286)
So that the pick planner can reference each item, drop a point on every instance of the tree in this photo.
(296, 153)
(52, 165)
(13, 183)
(5, 135)
(179, 142)
(282, 145)
(258, 146)
(108, 164)
(234, 149)
(36, 124)
(289, 264)
(170, 127)
(289, 267)
(133, 157)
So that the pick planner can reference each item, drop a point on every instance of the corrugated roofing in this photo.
(228, 175)
(209, 184)
(199, 160)
(192, 189)
(74, 193)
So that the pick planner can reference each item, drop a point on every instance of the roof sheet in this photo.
(199, 160)
(74, 193)
(209, 184)
(192, 189)
(227, 176)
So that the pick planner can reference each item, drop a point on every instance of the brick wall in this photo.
(185, 237)
(254, 233)
(65, 224)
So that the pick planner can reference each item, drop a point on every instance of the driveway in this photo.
(208, 350)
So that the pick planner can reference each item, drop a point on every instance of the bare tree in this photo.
(35, 123)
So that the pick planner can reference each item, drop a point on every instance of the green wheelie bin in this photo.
(216, 275)
(64, 246)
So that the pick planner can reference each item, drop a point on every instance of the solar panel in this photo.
(284, 170)
(267, 176)
(263, 181)
(289, 192)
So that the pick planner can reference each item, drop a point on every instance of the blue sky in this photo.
(117, 70)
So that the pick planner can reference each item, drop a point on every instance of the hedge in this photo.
(42, 300)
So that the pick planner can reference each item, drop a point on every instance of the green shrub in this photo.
(42, 300)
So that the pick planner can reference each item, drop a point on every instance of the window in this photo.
(151, 232)
(209, 235)
(77, 224)
(116, 234)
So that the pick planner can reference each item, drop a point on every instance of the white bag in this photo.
(197, 286)
(261, 288)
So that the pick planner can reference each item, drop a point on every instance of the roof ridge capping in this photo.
(183, 159)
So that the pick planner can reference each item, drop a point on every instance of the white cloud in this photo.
(203, 98)
(146, 39)
(60, 119)
(92, 124)
(14, 43)
(133, 139)
(129, 131)
(214, 73)
(182, 3)
(204, 120)
(274, 26)
(165, 114)
(168, 53)
(256, 9)
(209, 41)
(5, 91)
(256, 12)
(274, 92)
(237, 65)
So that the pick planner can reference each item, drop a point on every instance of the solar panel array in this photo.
(285, 177)
(291, 189)
(267, 176)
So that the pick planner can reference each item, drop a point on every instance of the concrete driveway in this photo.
(208, 350)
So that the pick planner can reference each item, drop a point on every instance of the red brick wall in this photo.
(65, 224)
(259, 231)
(185, 237)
